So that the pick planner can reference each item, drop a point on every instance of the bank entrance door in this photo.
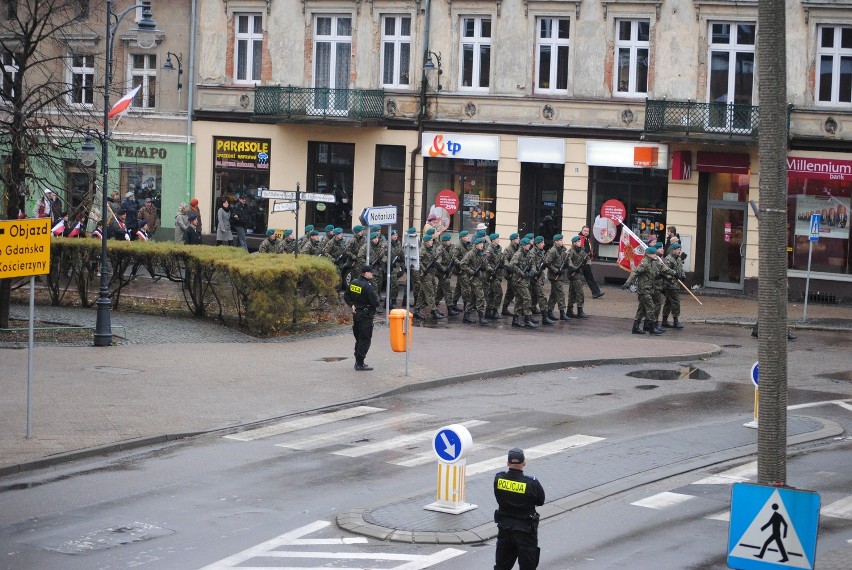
(724, 260)
(541, 199)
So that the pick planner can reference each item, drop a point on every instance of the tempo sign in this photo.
(24, 248)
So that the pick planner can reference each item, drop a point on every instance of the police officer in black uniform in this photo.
(364, 300)
(517, 521)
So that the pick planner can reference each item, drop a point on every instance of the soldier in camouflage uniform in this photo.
(458, 252)
(521, 266)
(397, 264)
(577, 259)
(444, 291)
(312, 245)
(288, 244)
(474, 267)
(556, 260)
(353, 246)
(429, 265)
(305, 236)
(537, 282)
(332, 247)
(508, 254)
(270, 244)
(378, 260)
(494, 284)
(674, 262)
(645, 276)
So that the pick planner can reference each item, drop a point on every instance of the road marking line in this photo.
(487, 441)
(844, 405)
(841, 403)
(841, 509)
(739, 474)
(399, 441)
(325, 439)
(303, 423)
(724, 516)
(536, 452)
(663, 500)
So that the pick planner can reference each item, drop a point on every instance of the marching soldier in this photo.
(556, 260)
(429, 265)
(335, 250)
(644, 275)
(458, 252)
(445, 270)
(494, 285)
(517, 520)
(288, 244)
(578, 258)
(508, 254)
(414, 286)
(660, 282)
(270, 244)
(672, 304)
(353, 246)
(397, 262)
(521, 270)
(537, 282)
(312, 245)
(378, 259)
(305, 237)
(474, 266)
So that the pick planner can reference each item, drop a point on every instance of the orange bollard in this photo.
(397, 334)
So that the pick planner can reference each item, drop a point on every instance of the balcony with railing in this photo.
(305, 102)
(708, 120)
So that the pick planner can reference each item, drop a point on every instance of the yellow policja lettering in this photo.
(511, 486)
(355, 288)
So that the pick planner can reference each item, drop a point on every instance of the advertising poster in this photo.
(647, 221)
(834, 216)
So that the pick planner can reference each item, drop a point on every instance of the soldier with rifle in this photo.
(458, 252)
(494, 290)
(429, 265)
(353, 246)
(577, 260)
(508, 254)
(537, 282)
(522, 270)
(378, 259)
(555, 260)
(474, 269)
(444, 292)
(397, 267)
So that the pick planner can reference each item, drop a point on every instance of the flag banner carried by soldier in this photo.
(630, 249)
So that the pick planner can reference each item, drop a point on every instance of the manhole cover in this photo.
(106, 538)
(646, 386)
(682, 373)
(113, 370)
(604, 394)
(845, 376)
(333, 358)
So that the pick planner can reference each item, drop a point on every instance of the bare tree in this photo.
(772, 285)
(42, 114)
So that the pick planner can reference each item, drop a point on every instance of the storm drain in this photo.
(682, 373)
(646, 386)
(332, 358)
(107, 538)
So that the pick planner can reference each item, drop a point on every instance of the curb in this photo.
(795, 325)
(60, 458)
(353, 519)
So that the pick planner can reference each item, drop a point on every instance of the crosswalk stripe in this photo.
(663, 500)
(397, 442)
(739, 474)
(487, 441)
(303, 423)
(841, 509)
(325, 439)
(536, 452)
(723, 516)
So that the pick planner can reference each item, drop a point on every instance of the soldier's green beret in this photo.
(558, 237)
(329, 228)
(514, 236)
(492, 237)
(270, 232)
(530, 236)
(463, 233)
(538, 239)
(575, 239)
(313, 233)
(481, 233)
(309, 228)
(430, 231)
(674, 246)
(446, 237)
(428, 237)
(357, 229)
(393, 232)
(376, 228)
(478, 240)
(412, 230)
(525, 241)
(338, 231)
(651, 250)
(374, 235)
(288, 232)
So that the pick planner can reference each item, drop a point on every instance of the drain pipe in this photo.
(421, 114)
(190, 100)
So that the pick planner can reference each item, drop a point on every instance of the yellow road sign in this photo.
(24, 248)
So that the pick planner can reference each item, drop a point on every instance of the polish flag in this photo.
(76, 231)
(59, 228)
(124, 103)
(630, 249)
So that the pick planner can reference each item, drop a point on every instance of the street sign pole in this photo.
(815, 222)
(30, 361)
(387, 285)
(296, 231)
(755, 372)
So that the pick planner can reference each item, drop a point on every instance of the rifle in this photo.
(579, 267)
(448, 270)
(558, 273)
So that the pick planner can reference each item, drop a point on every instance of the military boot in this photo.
(535, 311)
(548, 319)
(437, 315)
(677, 323)
(551, 315)
(505, 312)
(665, 324)
(658, 327)
(637, 327)
(452, 311)
(649, 326)
(580, 313)
(530, 322)
(495, 315)
(482, 320)
(570, 312)
(563, 316)
(468, 319)
(516, 322)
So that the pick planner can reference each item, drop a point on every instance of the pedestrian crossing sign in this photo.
(772, 527)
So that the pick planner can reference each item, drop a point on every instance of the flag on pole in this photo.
(630, 249)
(123, 104)
(76, 231)
(59, 228)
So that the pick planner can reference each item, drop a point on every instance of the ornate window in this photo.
(396, 51)
(248, 47)
(632, 49)
(475, 54)
(81, 79)
(143, 74)
(834, 63)
(553, 44)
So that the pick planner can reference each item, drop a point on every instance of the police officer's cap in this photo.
(478, 240)
(575, 239)
(287, 232)
(516, 456)
(539, 239)
(374, 235)
(428, 237)
(463, 233)
(674, 246)
(446, 237)
(558, 237)
(338, 231)
(270, 232)
(529, 236)
(366, 269)
(329, 228)
(525, 241)
(357, 229)
(514, 236)
(492, 237)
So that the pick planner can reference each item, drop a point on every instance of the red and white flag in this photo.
(59, 228)
(123, 104)
(630, 249)
(76, 231)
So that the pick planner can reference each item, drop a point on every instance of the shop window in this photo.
(81, 79)
(145, 181)
(831, 200)
(632, 46)
(475, 54)
(143, 74)
(331, 170)
(644, 194)
(834, 61)
(396, 51)
(474, 182)
(241, 168)
(248, 48)
(553, 42)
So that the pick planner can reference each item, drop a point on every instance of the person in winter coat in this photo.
(223, 229)
(148, 213)
(181, 222)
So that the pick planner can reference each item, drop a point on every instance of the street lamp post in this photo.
(146, 31)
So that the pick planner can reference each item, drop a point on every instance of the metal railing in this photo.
(319, 102)
(21, 334)
(690, 117)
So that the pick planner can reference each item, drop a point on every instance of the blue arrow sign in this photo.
(447, 444)
(815, 220)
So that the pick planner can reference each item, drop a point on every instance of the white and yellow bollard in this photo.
(451, 444)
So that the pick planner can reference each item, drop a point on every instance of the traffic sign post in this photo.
(290, 203)
(451, 444)
(815, 222)
(25, 251)
(755, 371)
(411, 254)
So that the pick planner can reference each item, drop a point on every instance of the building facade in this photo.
(538, 115)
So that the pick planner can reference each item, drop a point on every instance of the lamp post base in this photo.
(103, 326)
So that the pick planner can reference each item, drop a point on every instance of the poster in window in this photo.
(833, 211)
